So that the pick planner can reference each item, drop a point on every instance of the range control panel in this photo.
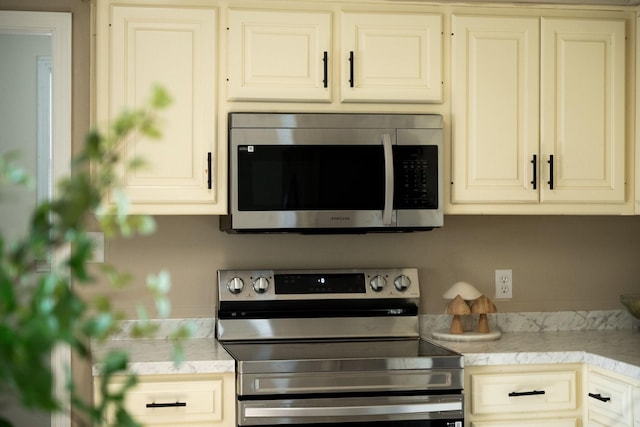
(248, 285)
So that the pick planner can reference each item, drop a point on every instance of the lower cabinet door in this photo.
(609, 401)
(175, 403)
(523, 392)
(524, 396)
(198, 400)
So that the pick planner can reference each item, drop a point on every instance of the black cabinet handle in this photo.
(526, 393)
(550, 182)
(209, 170)
(599, 397)
(166, 405)
(534, 162)
(325, 60)
(351, 69)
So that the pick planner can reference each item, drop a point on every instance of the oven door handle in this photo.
(388, 179)
(349, 411)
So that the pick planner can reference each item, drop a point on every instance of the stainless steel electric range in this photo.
(335, 348)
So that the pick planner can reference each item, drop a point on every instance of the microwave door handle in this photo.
(388, 179)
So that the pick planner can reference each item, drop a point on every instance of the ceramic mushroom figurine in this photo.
(459, 292)
(483, 306)
(458, 307)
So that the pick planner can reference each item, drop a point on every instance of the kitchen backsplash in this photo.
(506, 322)
(538, 321)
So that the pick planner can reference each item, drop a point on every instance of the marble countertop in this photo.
(614, 350)
(154, 356)
(617, 350)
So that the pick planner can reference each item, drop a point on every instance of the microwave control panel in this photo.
(416, 177)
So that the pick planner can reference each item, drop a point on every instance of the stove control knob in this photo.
(235, 285)
(378, 283)
(261, 284)
(402, 283)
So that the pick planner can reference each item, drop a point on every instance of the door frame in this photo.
(58, 26)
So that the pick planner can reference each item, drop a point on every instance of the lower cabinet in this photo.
(523, 395)
(611, 400)
(182, 400)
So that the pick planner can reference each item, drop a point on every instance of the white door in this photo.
(35, 74)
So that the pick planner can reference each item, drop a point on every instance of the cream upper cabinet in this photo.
(538, 114)
(391, 57)
(289, 55)
(140, 46)
(495, 103)
(278, 55)
(583, 107)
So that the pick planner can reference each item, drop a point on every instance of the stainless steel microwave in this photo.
(334, 172)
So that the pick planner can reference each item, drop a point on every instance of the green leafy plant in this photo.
(40, 310)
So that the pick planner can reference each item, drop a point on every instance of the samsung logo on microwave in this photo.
(340, 218)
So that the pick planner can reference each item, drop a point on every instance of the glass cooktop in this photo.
(367, 354)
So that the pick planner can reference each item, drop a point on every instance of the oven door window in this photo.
(310, 177)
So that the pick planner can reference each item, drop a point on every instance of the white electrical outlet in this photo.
(504, 284)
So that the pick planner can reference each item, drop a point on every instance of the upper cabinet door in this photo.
(583, 109)
(391, 57)
(538, 114)
(278, 55)
(137, 48)
(495, 126)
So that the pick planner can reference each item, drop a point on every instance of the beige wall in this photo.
(558, 263)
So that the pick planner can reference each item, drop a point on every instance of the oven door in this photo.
(417, 411)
